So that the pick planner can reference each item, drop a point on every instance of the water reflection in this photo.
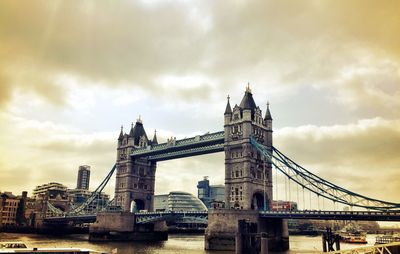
(177, 243)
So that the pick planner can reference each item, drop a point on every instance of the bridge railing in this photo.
(390, 248)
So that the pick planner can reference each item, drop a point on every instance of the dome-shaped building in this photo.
(181, 201)
(178, 201)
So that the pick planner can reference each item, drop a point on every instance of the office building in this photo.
(213, 196)
(83, 177)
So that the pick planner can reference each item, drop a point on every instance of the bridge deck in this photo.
(315, 215)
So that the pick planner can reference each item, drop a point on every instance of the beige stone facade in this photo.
(247, 173)
(135, 178)
(8, 209)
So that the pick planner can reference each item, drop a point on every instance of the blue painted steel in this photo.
(187, 216)
(80, 209)
(75, 218)
(319, 186)
(201, 217)
(198, 145)
(333, 215)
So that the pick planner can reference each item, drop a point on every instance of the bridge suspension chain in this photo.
(318, 185)
(78, 210)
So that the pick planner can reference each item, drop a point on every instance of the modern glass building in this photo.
(178, 201)
(212, 195)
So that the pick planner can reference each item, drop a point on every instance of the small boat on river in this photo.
(353, 234)
(20, 247)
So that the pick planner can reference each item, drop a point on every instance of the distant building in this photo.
(8, 209)
(51, 191)
(178, 201)
(83, 177)
(79, 196)
(54, 193)
(26, 209)
(213, 196)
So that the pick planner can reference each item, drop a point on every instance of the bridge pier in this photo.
(223, 227)
(121, 226)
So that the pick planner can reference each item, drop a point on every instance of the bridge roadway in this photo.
(147, 217)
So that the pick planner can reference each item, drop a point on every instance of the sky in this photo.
(72, 72)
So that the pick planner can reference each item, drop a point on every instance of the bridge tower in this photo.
(248, 179)
(248, 176)
(135, 177)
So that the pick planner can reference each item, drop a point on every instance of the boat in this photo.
(353, 234)
(384, 239)
(20, 247)
(355, 237)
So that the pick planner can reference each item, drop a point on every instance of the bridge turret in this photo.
(228, 112)
(155, 141)
(248, 105)
(121, 136)
(268, 124)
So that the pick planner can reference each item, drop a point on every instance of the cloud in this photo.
(350, 155)
(135, 44)
(99, 64)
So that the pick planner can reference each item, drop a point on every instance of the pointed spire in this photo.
(228, 109)
(155, 142)
(121, 134)
(137, 131)
(268, 113)
(132, 130)
(248, 90)
(248, 101)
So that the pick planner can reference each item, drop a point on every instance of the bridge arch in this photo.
(257, 201)
(139, 204)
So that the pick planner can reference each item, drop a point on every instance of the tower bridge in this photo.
(250, 156)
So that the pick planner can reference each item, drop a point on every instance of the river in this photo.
(177, 243)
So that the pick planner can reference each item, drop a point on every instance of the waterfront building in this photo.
(54, 193)
(178, 201)
(213, 196)
(26, 209)
(8, 209)
(51, 190)
(83, 177)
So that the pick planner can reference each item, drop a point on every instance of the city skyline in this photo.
(73, 73)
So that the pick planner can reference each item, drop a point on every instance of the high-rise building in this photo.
(83, 177)
(211, 195)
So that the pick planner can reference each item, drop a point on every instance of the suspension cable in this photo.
(318, 185)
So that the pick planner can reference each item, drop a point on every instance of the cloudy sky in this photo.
(73, 72)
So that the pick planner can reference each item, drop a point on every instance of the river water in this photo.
(177, 243)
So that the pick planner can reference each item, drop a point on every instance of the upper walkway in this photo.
(174, 149)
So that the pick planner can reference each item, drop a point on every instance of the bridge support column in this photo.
(223, 227)
(121, 227)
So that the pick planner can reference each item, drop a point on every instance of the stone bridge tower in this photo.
(247, 177)
(135, 177)
(247, 174)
